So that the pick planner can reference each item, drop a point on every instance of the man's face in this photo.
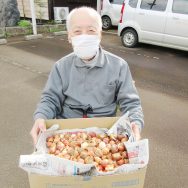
(83, 23)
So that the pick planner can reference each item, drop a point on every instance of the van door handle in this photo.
(141, 13)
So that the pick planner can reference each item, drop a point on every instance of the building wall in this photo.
(71, 4)
(44, 8)
(41, 9)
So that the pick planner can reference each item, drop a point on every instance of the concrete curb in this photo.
(3, 41)
(2, 36)
(22, 31)
(33, 37)
(60, 33)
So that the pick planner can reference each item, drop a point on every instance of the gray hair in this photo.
(92, 11)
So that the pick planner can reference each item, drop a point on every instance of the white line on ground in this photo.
(155, 57)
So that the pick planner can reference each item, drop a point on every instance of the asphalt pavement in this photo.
(162, 81)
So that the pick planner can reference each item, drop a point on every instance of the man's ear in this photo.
(100, 35)
(69, 38)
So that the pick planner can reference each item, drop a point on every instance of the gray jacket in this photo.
(73, 86)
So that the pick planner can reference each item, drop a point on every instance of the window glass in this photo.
(180, 6)
(133, 3)
(118, 2)
(159, 5)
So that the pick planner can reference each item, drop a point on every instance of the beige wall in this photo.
(41, 9)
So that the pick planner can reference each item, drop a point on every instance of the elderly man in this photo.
(90, 82)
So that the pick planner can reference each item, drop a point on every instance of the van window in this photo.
(158, 5)
(118, 2)
(180, 6)
(133, 3)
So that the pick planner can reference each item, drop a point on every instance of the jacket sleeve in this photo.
(127, 97)
(52, 97)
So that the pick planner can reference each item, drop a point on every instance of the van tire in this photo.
(129, 38)
(106, 22)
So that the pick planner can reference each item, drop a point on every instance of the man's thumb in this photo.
(42, 126)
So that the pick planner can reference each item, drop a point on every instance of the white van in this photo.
(110, 12)
(158, 22)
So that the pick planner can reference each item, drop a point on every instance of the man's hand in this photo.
(136, 131)
(38, 126)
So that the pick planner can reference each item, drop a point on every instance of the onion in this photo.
(100, 168)
(64, 152)
(50, 139)
(91, 152)
(92, 143)
(121, 147)
(108, 146)
(102, 145)
(125, 139)
(56, 138)
(48, 144)
(52, 149)
(83, 136)
(116, 156)
(92, 134)
(67, 135)
(84, 154)
(70, 151)
(109, 168)
(73, 136)
(84, 145)
(124, 154)
(104, 162)
(114, 148)
(89, 160)
(104, 157)
(98, 152)
(97, 159)
(66, 142)
(76, 153)
(106, 140)
(126, 161)
(105, 151)
(120, 162)
(120, 136)
(60, 146)
(112, 142)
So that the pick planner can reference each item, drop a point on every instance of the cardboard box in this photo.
(130, 180)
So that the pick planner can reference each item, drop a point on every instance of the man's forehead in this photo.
(80, 26)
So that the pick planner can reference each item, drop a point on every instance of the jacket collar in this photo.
(99, 59)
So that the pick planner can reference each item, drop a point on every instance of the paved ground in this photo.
(161, 78)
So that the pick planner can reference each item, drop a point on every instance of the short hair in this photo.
(92, 11)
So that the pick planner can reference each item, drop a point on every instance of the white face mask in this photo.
(85, 46)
